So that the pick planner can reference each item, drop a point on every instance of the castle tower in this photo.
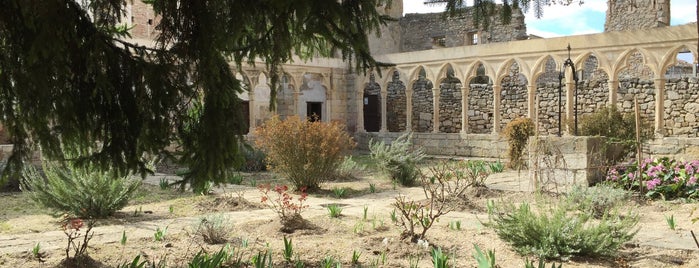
(625, 15)
(389, 41)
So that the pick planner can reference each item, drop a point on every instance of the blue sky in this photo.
(574, 19)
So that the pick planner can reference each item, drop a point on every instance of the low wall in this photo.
(448, 144)
(673, 147)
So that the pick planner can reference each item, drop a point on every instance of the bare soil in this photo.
(256, 228)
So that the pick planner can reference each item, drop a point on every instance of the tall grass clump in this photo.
(555, 232)
(399, 159)
(84, 191)
(307, 153)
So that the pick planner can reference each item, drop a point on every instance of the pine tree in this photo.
(70, 82)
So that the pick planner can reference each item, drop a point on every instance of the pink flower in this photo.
(631, 175)
(676, 179)
(651, 184)
(692, 181)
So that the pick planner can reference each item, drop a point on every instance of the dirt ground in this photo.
(255, 228)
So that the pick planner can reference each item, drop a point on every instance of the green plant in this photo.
(255, 160)
(122, 242)
(204, 260)
(164, 184)
(554, 232)
(339, 192)
(135, 263)
(159, 234)
(364, 213)
(84, 191)
(334, 210)
(670, 221)
(414, 261)
(171, 209)
(619, 128)
(262, 259)
(372, 188)
(517, 133)
(347, 167)
(283, 203)
(439, 258)
(358, 228)
(542, 264)
(288, 252)
(307, 153)
(355, 257)
(663, 177)
(598, 200)
(37, 253)
(394, 218)
(235, 178)
(399, 159)
(455, 225)
(214, 229)
(484, 260)
(496, 167)
(138, 212)
(330, 262)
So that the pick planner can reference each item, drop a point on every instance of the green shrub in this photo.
(307, 153)
(517, 133)
(598, 201)
(399, 159)
(83, 192)
(254, 160)
(620, 128)
(556, 233)
(347, 168)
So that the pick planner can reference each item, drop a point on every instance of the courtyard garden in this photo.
(310, 200)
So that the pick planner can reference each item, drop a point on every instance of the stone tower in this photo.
(389, 41)
(625, 15)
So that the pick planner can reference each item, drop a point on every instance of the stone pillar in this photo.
(613, 89)
(295, 110)
(435, 110)
(409, 108)
(496, 108)
(251, 112)
(659, 106)
(384, 97)
(464, 108)
(570, 99)
(531, 100)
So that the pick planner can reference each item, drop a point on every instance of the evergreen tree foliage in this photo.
(71, 81)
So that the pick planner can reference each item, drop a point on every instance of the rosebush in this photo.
(307, 153)
(663, 177)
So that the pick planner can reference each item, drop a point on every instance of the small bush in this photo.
(620, 128)
(517, 133)
(214, 229)
(347, 168)
(399, 159)
(599, 200)
(255, 160)
(308, 153)
(664, 177)
(283, 203)
(83, 192)
(557, 233)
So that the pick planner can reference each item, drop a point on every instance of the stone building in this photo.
(456, 84)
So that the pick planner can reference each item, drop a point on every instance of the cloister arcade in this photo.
(424, 92)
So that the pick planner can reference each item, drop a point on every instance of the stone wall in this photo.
(450, 106)
(682, 107)
(480, 109)
(396, 106)
(623, 15)
(471, 145)
(556, 162)
(423, 106)
(434, 30)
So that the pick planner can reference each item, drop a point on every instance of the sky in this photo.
(574, 19)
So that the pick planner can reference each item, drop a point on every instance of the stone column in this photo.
(496, 108)
(464, 109)
(570, 91)
(659, 106)
(384, 96)
(251, 112)
(435, 110)
(613, 89)
(531, 100)
(409, 109)
(295, 110)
